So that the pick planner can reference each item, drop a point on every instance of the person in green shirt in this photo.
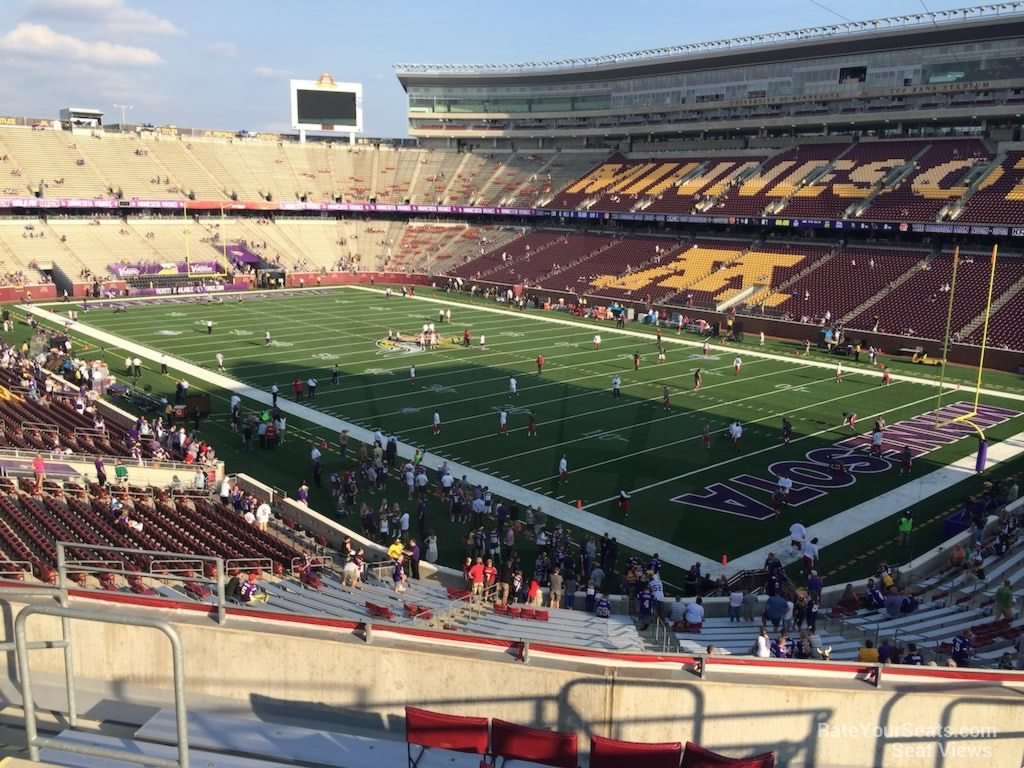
(906, 525)
(1004, 602)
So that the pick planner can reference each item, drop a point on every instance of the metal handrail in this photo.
(184, 566)
(22, 572)
(35, 741)
(261, 563)
(216, 582)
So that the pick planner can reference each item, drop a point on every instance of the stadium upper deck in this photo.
(919, 73)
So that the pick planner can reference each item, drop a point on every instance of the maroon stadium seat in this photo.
(611, 753)
(518, 742)
(434, 730)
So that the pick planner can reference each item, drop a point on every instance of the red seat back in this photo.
(697, 757)
(528, 613)
(501, 609)
(517, 742)
(540, 615)
(514, 611)
(434, 729)
(372, 608)
(611, 753)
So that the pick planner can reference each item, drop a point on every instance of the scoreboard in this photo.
(326, 105)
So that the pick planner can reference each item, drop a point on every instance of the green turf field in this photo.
(610, 443)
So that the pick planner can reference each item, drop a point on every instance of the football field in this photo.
(710, 499)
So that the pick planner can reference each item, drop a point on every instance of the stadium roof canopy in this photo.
(963, 25)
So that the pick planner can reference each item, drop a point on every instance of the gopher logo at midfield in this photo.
(407, 343)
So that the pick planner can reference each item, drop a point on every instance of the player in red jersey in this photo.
(531, 426)
(886, 379)
(540, 364)
(706, 435)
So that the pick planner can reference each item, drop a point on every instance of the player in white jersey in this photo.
(483, 341)
(839, 373)
(737, 364)
(266, 338)
(503, 422)
(761, 339)
(437, 423)
(513, 387)
(220, 362)
(412, 374)
(597, 341)
(563, 469)
(706, 346)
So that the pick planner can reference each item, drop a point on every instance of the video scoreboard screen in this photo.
(327, 105)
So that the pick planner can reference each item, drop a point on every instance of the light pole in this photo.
(124, 108)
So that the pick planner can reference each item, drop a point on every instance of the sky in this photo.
(223, 64)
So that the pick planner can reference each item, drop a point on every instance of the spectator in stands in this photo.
(849, 600)
(735, 604)
(962, 648)
(874, 598)
(39, 470)
(695, 612)
(1003, 607)
(868, 653)
(475, 574)
(893, 603)
(603, 608)
(749, 605)
(913, 656)
(885, 651)
(814, 585)
(263, 516)
(120, 472)
(412, 554)
(762, 645)
(555, 582)
(774, 611)
(251, 592)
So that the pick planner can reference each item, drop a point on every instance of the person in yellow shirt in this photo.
(395, 550)
(868, 653)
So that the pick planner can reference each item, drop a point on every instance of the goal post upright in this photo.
(946, 338)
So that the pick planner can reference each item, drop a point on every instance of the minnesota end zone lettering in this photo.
(812, 478)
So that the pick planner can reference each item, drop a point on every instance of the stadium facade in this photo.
(924, 74)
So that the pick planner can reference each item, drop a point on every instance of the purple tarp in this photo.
(242, 255)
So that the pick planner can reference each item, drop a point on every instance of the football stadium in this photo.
(661, 408)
